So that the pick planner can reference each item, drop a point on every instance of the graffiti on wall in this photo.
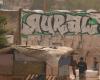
(62, 23)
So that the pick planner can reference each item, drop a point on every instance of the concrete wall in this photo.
(16, 4)
(40, 29)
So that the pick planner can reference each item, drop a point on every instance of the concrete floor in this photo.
(90, 75)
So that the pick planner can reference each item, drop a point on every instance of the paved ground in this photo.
(92, 79)
(87, 79)
(91, 75)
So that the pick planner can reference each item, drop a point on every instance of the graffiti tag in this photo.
(64, 24)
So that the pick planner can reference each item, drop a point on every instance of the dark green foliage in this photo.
(3, 41)
(3, 21)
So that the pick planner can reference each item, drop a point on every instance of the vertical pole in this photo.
(19, 28)
(44, 5)
(27, 41)
(17, 35)
(58, 72)
(45, 66)
(98, 71)
(13, 67)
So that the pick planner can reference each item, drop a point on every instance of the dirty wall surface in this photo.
(71, 29)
